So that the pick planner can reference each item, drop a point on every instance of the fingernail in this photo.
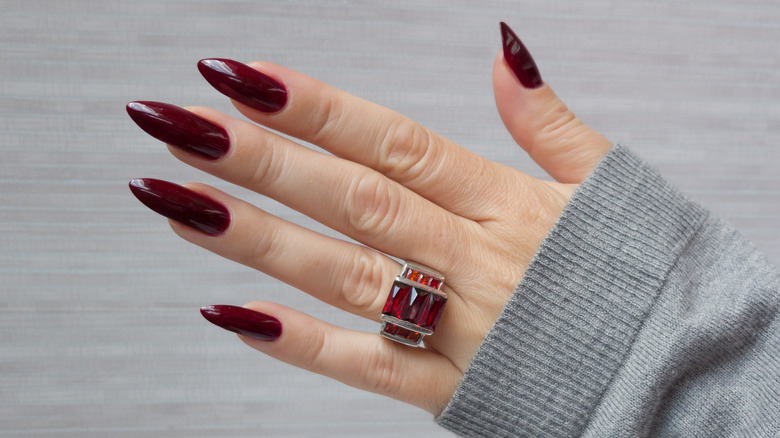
(519, 60)
(243, 321)
(182, 205)
(242, 83)
(181, 128)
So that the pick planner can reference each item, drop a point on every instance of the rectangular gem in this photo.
(414, 305)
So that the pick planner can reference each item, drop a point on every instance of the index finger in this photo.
(361, 131)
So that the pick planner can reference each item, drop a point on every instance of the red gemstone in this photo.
(435, 312)
(394, 330)
(414, 305)
(424, 309)
(396, 300)
(434, 283)
(417, 306)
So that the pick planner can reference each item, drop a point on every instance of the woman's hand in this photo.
(390, 184)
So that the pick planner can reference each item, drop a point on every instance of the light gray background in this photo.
(100, 333)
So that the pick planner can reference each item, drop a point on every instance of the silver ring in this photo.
(414, 305)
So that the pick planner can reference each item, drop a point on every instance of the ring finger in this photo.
(354, 279)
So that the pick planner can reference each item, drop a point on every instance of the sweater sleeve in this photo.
(640, 315)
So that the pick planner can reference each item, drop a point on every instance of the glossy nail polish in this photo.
(181, 128)
(519, 60)
(182, 205)
(243, 321)
(244, 84)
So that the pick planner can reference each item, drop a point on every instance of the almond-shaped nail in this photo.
(244, 84)
(243, 321)
(182, 205)
(180, 128)
(519, 60)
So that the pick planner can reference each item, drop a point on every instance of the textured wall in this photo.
(100, 333)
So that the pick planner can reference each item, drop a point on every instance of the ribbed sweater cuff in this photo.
(571, 322)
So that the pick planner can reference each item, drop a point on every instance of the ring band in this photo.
(414, 305)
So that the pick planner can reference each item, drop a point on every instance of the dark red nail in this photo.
(182, 205)
(243, 83)
(243, 321)
(181, 128)
(519, 60)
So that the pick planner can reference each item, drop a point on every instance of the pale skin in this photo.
(400, 189)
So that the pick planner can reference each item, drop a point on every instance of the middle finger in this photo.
(345, 196)
(364, 132)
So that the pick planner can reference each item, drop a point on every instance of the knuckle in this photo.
(382, 373)
(269, 165)
(266, 245)
(405, 150)
(372, 204)
(312, 357)
(362, 285)
(327, 118)
(560, 123)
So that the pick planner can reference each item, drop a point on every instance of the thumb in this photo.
(540, 123)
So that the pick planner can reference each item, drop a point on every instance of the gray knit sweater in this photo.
(641, 315)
